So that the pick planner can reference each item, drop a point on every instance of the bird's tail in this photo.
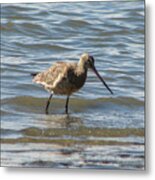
(34, 74)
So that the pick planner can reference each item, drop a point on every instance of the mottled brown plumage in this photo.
(65, 78)
(62, 78)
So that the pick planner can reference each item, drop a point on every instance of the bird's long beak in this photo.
(98, 75)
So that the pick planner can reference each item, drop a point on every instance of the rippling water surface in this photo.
(102, 131)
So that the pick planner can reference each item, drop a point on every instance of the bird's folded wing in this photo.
(52, 76)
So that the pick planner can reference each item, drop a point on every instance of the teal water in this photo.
(33, 37)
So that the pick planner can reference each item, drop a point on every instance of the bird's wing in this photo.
(53, 75)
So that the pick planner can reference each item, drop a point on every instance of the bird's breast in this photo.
(71, 83)
(77, 80)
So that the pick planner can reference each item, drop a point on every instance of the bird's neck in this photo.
(81, 69)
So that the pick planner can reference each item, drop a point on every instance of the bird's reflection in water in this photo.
(62, 121)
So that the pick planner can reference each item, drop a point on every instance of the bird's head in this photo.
(88, 62)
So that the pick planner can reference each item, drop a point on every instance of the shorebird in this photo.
(65, 78)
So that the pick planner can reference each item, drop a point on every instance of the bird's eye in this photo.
(91, 60)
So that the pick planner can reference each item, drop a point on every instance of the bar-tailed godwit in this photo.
(65, 78)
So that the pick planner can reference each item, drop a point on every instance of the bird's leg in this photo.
(66, 106)
(48, 103)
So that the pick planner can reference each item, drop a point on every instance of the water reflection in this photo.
(62, 121)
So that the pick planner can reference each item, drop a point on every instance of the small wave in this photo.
(29, 103)
(32, 26)
(32, 101)
(83, 131)
(79, 135)
(76, 23)
(43, 46)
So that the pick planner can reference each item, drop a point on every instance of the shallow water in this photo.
(102, 131)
